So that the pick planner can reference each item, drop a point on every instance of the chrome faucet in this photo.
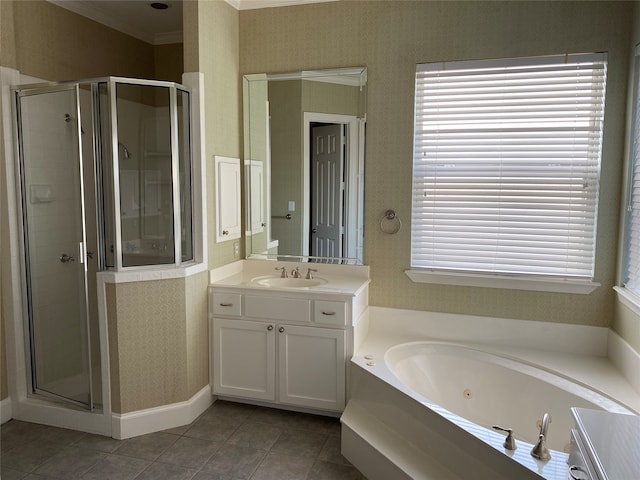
(295, 273)
(540, 450)
(309, 275)
(284, 272)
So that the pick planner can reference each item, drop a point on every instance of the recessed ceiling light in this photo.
(159, 5)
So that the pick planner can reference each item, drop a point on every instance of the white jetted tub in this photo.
(489, 389)
(425, 409)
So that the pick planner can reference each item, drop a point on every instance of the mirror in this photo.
(304, 135)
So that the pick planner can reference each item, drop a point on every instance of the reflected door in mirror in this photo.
(327, 195)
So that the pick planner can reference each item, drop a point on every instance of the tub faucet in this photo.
(509, 442)
(540, 450)
(295, 273)
(284, 272)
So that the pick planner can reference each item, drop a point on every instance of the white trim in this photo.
(625, 358)
(151, 420)
(142, 274)
(352, 76)
(256, 4)
(629, 299)
(195, 82)
(47, 412)
(581, 287)
(167, 38)
(6, 412)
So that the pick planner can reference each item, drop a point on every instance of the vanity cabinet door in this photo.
(244, 358)
(311, 367)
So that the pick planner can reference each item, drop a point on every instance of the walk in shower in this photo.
(105, 183)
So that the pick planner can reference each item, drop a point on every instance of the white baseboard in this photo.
(6, 412)
(625, 358)
(151, 420)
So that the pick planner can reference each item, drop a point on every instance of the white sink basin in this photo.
(280, 282)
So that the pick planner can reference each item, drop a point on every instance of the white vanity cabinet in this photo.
(288, 348)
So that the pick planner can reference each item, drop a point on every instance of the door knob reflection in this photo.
(64, 258)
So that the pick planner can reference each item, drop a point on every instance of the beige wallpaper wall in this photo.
(158, 341)
(55, 44)
(168, 62)
(390, 38)
(217, 45)
(149, 332)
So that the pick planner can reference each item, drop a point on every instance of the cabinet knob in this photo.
(270, 327)
(281, 329)
(225, 232)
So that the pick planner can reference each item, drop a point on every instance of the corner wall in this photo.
(217, 47)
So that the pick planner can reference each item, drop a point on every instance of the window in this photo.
(631, 274)
(506, 166)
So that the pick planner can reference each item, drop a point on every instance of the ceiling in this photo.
(157, 27)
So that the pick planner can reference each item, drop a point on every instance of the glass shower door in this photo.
(50, 142)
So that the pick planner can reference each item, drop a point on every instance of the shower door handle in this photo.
(64, 258)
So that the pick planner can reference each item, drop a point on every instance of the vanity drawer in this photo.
(229, 304)
(330, 313)
(278, 308)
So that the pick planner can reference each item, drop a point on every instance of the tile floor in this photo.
(230, 441)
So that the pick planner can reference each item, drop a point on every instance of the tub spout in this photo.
(540, 450)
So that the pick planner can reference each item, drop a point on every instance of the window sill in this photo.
(628, 299)
(581, 287)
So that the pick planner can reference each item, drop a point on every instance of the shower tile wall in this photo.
(129, 119)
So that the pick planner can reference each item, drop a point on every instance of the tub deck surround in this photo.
(577, 352)
(428, 438)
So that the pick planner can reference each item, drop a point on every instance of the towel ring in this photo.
(390, 216)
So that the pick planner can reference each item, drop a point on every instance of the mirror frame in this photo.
(355, 76)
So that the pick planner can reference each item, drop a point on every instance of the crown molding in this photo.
(256, 4)
(167, 38)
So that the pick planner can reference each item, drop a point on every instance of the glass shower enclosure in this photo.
(105, 181)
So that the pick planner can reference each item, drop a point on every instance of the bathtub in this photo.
(489, 389)
(423, 398)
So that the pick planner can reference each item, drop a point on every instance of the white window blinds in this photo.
(506, 165)
(632, 217)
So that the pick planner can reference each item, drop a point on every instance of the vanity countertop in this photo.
(341, 279)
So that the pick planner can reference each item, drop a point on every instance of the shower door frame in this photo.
(173, 88)
(18, 93)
